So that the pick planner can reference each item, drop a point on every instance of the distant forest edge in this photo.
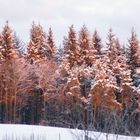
(84, 84)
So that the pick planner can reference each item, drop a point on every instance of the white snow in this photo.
(24, 132)
(138, 70)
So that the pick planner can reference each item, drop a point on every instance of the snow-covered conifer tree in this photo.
(7, 44)
(87, 49)
(97, 42)
(71, 47)
(37, 47)
(51, 44)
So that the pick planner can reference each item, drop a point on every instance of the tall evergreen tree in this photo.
(134, 50)
(111, 46)
(8, 77)
(87, 50)
(7, 44)
(1, 47)
(97, 42)
(84, 39)
(51, 44)
(134, 58)
(71, 47)
(19, 45)
(37, 47)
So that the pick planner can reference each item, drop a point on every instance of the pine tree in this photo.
(1, 47)
(84, 39)
(97, 42)
(8, 77)
(51, 44)
(87, 50)
(71, 47)
(134, 51)
(37, 47)
(19, 45)
(70, 42)
(111, 46)
(134, 58)
(8, 46)
(119, 48)
(123, 79)
(103, 88)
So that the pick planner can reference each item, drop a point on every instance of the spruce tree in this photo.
(71, 47)
(8, 46)
(1, 47)
(134, 58)
(97, 42)
(87, 50)
(111, 46)
(51, 44)
(134, 49)
(37, 47)
(84, 39)
(8, 76)
(19, 45)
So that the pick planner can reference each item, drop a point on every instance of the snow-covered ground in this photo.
(30, 132)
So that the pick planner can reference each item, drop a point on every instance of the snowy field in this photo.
(30, 132)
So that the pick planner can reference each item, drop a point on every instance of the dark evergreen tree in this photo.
(134, 58)
(134, 48)
(97, 42)
(19, 45)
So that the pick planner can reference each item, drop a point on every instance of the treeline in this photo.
(85, 84)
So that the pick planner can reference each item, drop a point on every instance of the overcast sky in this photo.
(121, 15)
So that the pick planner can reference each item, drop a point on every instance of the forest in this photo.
(83, 84)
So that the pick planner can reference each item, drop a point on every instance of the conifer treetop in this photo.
(8, 50)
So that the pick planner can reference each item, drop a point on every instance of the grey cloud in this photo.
(121, 15)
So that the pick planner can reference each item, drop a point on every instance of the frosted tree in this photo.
(118, 65)
(76, 75)
(41, 50)
(134, 49)
(71, 47)
(87, 50)
(19, 45)
(10, 74)
(37, 47)
(122, 74)
(112, 80)
(97, 42)
(120, 48)
(111, 46)
(71, 41)
(134, 58)
(84, 38)
(8, 46)
(125, 93)
(1, 47)
(102, 93)
(8, 54)
(51, 44)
